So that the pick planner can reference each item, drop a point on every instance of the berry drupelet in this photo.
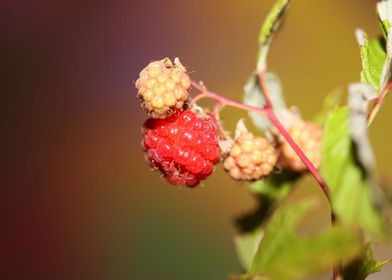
(184, 147)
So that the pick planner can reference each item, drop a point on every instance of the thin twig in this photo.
(275, 121)
(378, 102)
(204, 93)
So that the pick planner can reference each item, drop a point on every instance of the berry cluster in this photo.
(184, 147)
(251, 158)
(163, 88)
(184, 144)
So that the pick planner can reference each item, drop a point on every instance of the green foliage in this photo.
(364, 266)
(274, 250)
(373, 57)
(275, 186)
(283, 254)
(384, 9)
(350, 189)
(246, 246)
(331, 102)
(268, 29)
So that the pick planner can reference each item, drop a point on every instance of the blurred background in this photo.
(77, 199)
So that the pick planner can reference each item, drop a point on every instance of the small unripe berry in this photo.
(308, 137)
(163, 88)
(251, 158)
(184, 147)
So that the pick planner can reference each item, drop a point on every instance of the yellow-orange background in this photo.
(78, 201)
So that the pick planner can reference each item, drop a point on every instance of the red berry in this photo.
(183, 147)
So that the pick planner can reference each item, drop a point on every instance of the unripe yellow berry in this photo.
(251, 158)
(163, 88)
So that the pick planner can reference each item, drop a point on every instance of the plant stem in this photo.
(204, 93)
(313, 170)
(268, 111)
(336, 271)
(275, 121)
(378, 102)
(270, 114)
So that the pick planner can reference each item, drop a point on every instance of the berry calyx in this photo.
(163, 88)
(184, 147)
(308, 136)
(251, 158)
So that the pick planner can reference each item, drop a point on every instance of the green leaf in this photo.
(350, 189)
(275, 186)
(373, 57)
(268, 29)
(331, 102)
(384, 11)
(283, 254)
(254, 97)
(246, 246)
(362, 267)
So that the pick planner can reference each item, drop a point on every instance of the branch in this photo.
(204, 93)
(275, 121)
(378, 102)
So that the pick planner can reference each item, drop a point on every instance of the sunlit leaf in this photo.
(246, 246)
(373, 55)
(268, 29)
(283, 254)
(351, 191)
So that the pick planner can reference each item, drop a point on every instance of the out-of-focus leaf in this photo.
(283, 254)
(350, 188)
(250, 221)
(358, 102)
(373, 54)
(268, 29)
(384, 11)
(254, 97)
(246, 246)
(240, 129)
(276, 185)
(331, 102)
(362, 267)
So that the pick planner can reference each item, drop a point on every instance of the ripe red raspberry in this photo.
(163, 88)
(308, 136)
(251, 158)
(184, 147)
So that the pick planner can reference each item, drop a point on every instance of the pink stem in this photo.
(275, 121)
(313, 170)
(309, 165)
(378, 102)
(263, 84)
(269, 112)
(224, 101)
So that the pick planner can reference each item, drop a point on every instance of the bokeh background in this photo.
(77, 199)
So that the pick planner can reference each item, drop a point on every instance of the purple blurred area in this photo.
(77, 199)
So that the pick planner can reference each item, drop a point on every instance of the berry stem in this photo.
(336, 271)
(378, 102)
(264, 89)
(313, 170)
(268, 111)
(204, 93)
(275, 121)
